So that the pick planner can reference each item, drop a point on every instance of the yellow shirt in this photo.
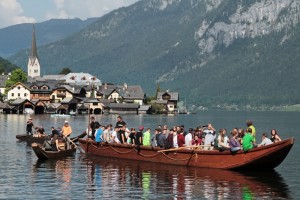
(66, 130)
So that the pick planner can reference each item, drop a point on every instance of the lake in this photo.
(23, 176)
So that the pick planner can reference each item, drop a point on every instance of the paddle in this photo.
(71, 142)
(186, 147)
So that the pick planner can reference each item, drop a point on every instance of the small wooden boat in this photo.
(30, 139)
(264, 157)
(41, 153)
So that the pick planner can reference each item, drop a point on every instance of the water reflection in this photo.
(123, 179)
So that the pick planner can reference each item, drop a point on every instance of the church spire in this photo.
(33, 62)
(33, 44)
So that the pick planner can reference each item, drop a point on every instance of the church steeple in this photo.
(34, 69)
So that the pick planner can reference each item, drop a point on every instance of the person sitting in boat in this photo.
(114, 136)
(107, 133)
(175, 139)
(234, 142)
(241, 134)
(274, 136)
(223, 140)
(265, 140)
(39, 132)
(99, 133)
(248, 140)
(29, 126)
(196, 141)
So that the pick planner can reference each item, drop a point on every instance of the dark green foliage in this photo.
(6, 66)
(18, 75)
(65, 70)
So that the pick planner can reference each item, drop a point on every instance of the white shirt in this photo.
(188, 139)
(175, 143)
(114, 136)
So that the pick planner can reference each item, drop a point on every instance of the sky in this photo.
(33, 11)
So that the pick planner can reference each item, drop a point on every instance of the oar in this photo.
(71, 142)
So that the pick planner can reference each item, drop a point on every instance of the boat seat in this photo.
(60, 145)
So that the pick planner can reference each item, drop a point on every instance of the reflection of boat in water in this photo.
(188, 183)
(264, 157)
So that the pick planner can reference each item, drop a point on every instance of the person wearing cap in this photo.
(29, 126)
(66, 131)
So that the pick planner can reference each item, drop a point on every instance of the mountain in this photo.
(17, 37)
(215, 53)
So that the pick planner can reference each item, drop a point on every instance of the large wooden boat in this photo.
(265, 157)
(41, 153)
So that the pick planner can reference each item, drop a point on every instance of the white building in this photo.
(18, 91)
(34, 68)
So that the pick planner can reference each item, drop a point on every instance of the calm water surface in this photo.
(23, 176)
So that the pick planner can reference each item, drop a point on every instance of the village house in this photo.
(168, 100)
(18, 91)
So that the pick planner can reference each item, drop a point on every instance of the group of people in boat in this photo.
(57, 140)
(178, 137)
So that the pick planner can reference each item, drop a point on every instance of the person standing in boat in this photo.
(92, 127)
(29, 126)
(250, 125)
(147, 137)
(120, 123)
(66, 131)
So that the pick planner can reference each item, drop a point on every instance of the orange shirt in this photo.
(66, 130)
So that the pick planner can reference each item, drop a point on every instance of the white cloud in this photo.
(85, 9)
(11, 12)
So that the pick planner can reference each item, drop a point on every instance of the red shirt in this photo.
(180, 140)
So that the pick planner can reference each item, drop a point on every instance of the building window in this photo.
(19, 87)
(95, 104)
(12, 94)
(25, 95)
(19, 94)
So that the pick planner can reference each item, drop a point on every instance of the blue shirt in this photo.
(98, 135)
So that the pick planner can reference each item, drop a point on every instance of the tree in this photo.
(65, 70)
(18, 75)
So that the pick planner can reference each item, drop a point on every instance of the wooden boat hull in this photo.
(266, 157)
(42, 154)
(30, 139)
